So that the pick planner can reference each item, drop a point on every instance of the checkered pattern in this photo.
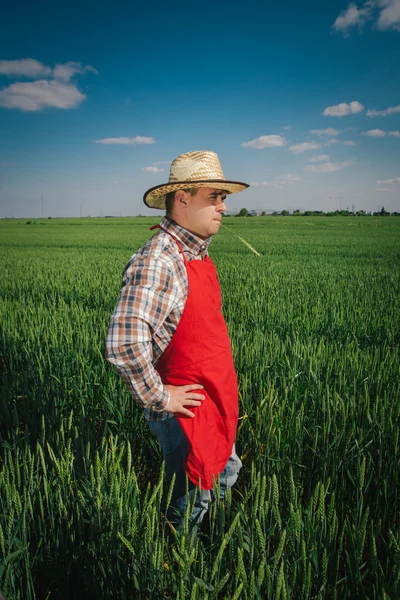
(151, 303)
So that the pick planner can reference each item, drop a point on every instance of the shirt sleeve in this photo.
(147, 297)
(134, 364)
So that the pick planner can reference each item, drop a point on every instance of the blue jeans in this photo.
(174, 445)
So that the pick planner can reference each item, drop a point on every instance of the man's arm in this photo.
(134, 364)
(147, 297)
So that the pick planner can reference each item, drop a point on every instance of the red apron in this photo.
(200, 352)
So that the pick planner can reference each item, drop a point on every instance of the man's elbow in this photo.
(112, 355)
(119, 355)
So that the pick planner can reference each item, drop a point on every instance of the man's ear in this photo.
(181, 199)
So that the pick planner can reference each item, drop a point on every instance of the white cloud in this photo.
(322, 132)
(351, 17)
(330, 142)
(25, 67)
(385, 14)
(32, 68)
(56, 91)
(37, 95)
(163, 162)
(343, 109)
(375, 133)
(266, 141)
(126, 141)
(389, 17)
(277, 183)
(383, 113)
(350, 143)
(152, 170)
(304, 147)
(66, 71)
(327, 167)
(319, 158)
(289, 178)
(381, 133)
(386, 181)
(272, 184)
(287, 127)
(384, 190)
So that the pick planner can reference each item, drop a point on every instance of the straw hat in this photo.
(192, 170)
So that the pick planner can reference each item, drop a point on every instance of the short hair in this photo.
(170, 197)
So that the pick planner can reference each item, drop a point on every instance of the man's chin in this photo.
(215, 227)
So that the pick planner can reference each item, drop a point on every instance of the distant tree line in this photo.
(318, 213)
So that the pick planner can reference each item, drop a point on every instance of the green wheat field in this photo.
(314, 324)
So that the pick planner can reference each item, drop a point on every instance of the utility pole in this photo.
(81, 212)
(41, 206)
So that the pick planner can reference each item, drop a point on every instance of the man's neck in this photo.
(194, 233)
(190, 238)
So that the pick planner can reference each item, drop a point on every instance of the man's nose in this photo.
(222, 207)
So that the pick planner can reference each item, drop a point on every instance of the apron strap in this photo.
(180, 247)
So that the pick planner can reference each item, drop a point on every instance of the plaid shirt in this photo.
(151, 303)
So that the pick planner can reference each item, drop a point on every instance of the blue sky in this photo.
(301, 100)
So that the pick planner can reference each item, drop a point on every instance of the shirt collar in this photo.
(192, 242)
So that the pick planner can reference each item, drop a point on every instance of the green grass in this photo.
(314, 325)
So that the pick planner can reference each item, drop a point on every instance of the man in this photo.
(168, 338)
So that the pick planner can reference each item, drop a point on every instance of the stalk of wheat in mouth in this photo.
(242, 240)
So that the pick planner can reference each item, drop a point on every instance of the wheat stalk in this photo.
(242, 240)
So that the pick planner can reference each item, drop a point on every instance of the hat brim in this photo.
(155, 196)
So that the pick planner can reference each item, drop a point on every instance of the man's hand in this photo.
(181, 396)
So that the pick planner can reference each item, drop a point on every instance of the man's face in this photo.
(204, 212)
